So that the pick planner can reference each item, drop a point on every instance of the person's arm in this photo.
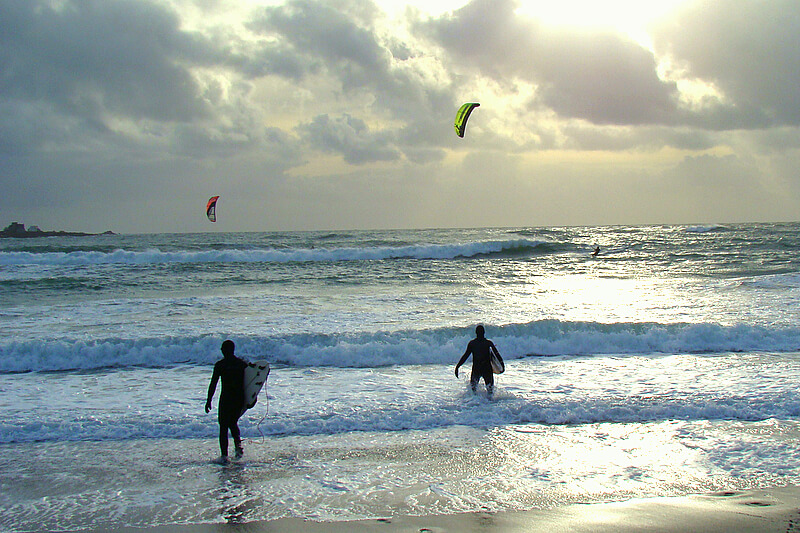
(464, 357)
(211, 388)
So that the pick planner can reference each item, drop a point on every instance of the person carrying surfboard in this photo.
(231, 370)
(483, 351)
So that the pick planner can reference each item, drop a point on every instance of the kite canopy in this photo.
(211, 208)
(462, 116)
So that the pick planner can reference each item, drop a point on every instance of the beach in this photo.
(511, 266)
(765, 511)
(160, 486)
(516, 478)
(652, 387)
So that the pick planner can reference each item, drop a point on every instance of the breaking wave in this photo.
(518, 247)
(433, 346)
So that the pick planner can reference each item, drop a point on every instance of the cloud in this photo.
(330, 32)
(747, 50)
(273, 59)
(590, 137)
(125, 75)
(596, 76)
(343, 42)
(722, 188)
(102, 101)
(351, 137)
(99, 57)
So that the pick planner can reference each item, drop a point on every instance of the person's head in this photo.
(228, 348)
(479, 331)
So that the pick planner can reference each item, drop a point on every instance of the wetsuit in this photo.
(480, 348)
(231, 400)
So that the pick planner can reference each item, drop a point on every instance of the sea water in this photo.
(667, 364)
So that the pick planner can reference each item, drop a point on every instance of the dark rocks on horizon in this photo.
(19, 231)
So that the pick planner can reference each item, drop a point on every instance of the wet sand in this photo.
(765, 510)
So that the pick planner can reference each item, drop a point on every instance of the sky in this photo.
(127, 115)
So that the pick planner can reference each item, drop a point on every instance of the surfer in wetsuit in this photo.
(481, 350)
(231, 400)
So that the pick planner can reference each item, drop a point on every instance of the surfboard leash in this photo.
(266, 412)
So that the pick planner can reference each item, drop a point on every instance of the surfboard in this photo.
(255, 375)
(498, 367)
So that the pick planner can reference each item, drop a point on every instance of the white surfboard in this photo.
(255, 375)
(498, 367)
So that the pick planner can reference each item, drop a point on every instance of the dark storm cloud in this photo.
(96, 57)
(321, 30)
(125, 76)
(597, 76)
(271, 58)
(351, 137)
(748, 49)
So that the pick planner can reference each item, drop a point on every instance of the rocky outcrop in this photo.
(19, 231)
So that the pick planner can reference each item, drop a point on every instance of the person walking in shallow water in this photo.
(231, 400)
(481, 350)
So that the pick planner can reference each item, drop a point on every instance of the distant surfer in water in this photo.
(596, 251)
(481, 350)
(231, 369)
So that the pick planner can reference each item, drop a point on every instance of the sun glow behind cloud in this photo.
(629, 17)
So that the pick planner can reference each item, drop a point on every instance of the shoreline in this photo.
(412, 481)
(775, 509)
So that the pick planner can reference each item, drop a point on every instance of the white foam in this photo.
(267, 255)
(146, 483)
(138, 403)
(789, 280)
(705, 229)
(383, 348)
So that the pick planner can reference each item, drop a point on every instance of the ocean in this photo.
(666, 365)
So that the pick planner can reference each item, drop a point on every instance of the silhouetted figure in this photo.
(481, 350)
(596, 251)
(231, 400)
